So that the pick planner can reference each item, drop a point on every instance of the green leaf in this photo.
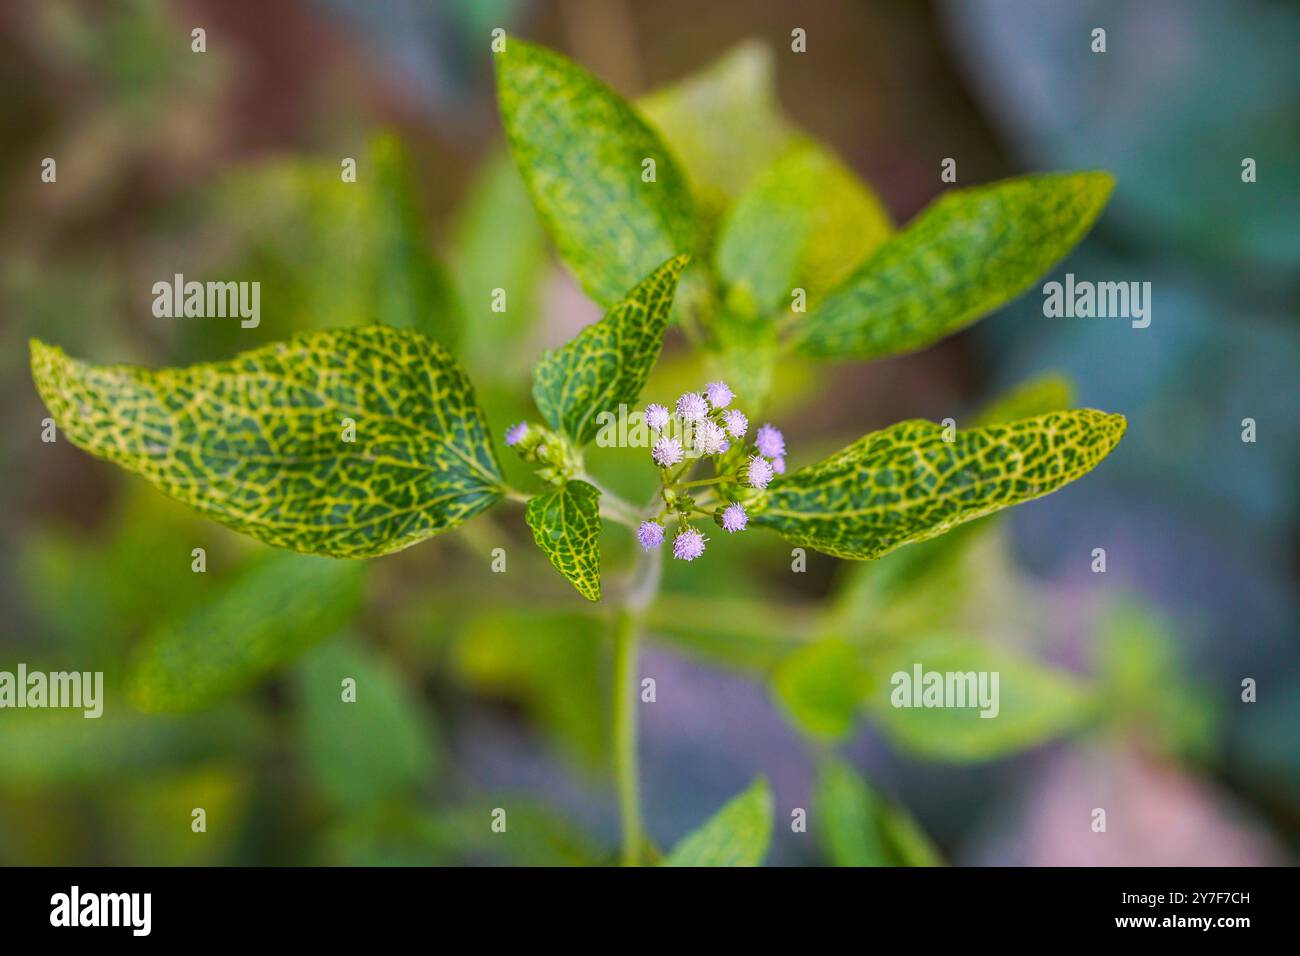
(906, 484)
(580, 148)
(566, 526)
(723, 121)
(1034, 703)
(257, 442)
(804, 222)
(821, 687)
(274, 610)
(737, 835)
(1048, 393)
(499, 245)
(968, 253)
(364, 750)
(855, 826)
(607, 364)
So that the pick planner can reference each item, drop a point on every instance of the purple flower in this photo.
(692, 407)
(770, 442)
(736, 422)
(718, 394)
(734, 518)
(650, 534)
(778, 465)
(667, 452)
(759, 472)
(709, 438)
(515, 434)
(726, 447)
(656, 416)
(688, 545)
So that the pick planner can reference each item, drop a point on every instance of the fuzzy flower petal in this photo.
(734, 518)
(758, 472)
(709, 438)
(656, 416)
(770, 442)
(516, 433)
(718, 394)
(667, 452)
(778, 465)
(736, 423)
(650, 534)
(692, 407)
(688, 545)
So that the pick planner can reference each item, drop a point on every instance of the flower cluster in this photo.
(699, 425)
(705, 425)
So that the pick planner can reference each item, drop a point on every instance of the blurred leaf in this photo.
(566, 526)
(968, 253)
(1047, 393)
(805, 221)
(1033, 703)
(723, 121)
(905, 484)
(553, 662)
(1146, 689)
(737, 835)
(855, 826)
(365, 750)
(153, 817)
(607, 364)
(822, 688)
(259, 442)
(579, 147)
(499, 245)
(277, 608)
(62, 749)
(742, 632)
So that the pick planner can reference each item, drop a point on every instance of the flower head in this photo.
(516, 433)
(734, 518)
(667, 452)
(709, 438)
(656, 416)
(650, 534)
(778, 465)
(718, 394)
(770, 442)
(758, 472)
(736, 423)
(692, 407)
(688, 545)
(726, 447)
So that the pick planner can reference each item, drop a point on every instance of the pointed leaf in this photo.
(968, 253)
(858, 827)
(257, 442)
(580, 148)
(906, 484)
(608, 363)
(804, 222)
(822, 687)
(566, 526)
(274, 610)
(737, 835)
(1033, 703)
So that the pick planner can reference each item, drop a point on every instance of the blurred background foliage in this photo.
(478, 690)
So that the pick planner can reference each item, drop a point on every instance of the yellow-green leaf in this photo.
(906, 484)
(566, 526)
(821, 687)
(737, 835)
(968, 253)
(1033, 703)
(278, 607)
(348, 442)
(587, 156)
(856, 826)
(1048, 393)
(608, 362)
(804, 222)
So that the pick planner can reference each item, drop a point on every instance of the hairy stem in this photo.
(641, 593)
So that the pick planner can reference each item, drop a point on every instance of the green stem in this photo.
(625, 751)
(701, 482)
